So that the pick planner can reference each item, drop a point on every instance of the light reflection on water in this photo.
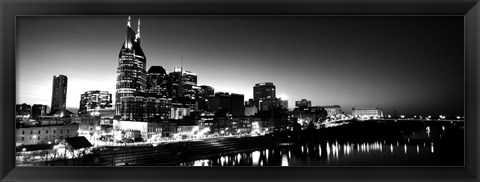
(288, 156)
(326, 153)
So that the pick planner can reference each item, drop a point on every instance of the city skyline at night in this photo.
(411, 65)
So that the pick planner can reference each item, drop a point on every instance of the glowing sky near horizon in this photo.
(413, 65)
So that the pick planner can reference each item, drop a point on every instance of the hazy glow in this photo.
(312, 57)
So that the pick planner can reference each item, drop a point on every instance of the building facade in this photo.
(158, 81)
(44, 134)
(250, 110)
(303, 103)
(202, 96)
(39, 110)
(232, 103)
(131, 70)
(92, 102)
(263, 91)
(59, 93)
(269, 104)
(23, 110)
(367, 113)
(332, 110)
(138, 108)
(182, 83)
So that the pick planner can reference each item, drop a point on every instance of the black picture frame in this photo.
(9, 9)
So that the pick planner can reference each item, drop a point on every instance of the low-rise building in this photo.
(332, 110)
(45, 133)
(367, 113)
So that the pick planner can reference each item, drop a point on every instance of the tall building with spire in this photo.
(131, 71)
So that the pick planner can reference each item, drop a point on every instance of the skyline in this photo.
(328, 53)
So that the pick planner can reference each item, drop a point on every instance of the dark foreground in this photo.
(366, 143)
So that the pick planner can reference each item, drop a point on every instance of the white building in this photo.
(146, 129)
(332, 110)
(367, 113)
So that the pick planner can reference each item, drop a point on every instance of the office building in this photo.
(158, 81)
(263, 91)
(231, 103)
(332, 110)
(303, 103)
(59, 93)
(39, 110)
(139, 108)
(95, 101)
(23, 110)
(131, 71)
(182, 83)
(269, 104)
(203, 94)
(367, 113)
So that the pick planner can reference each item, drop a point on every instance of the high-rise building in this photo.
(232, 103)
(269, 104)
(131, 71)
(263, 91)
(182, 83)
(158, 81)
(59, 93)
(94, 101)
(39, 110)
(207, 91)
(204, 93)
(138, 108)
(303, 103)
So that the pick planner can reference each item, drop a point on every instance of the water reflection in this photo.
(284, 160)
(256, 157)
(340, 152)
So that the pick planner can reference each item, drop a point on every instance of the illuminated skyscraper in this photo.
(262, 92)
(95, 100)
(59, 93)
(157, 81)
(182, 83)
(131, 71)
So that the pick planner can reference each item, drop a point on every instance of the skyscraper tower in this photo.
(59, 93)
(157, 81)
(262, 92)
(131, 71)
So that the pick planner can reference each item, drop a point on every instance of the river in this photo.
(371, 143)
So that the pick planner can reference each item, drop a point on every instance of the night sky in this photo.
(411, 64)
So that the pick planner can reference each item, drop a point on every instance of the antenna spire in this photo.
(128, 22)
(138, 28)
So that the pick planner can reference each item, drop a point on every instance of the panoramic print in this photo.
(240, 91)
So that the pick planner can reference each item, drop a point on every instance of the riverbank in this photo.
(171, 154)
